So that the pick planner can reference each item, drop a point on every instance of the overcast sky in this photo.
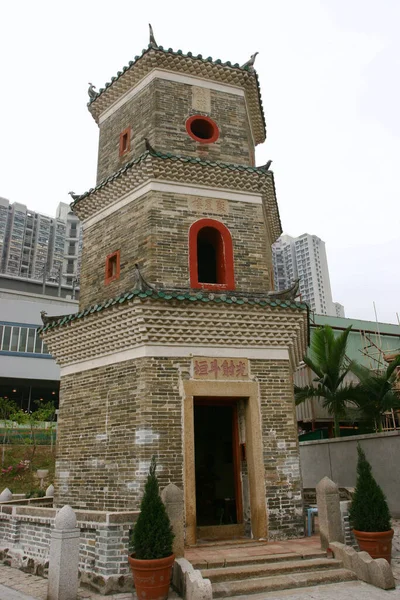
(329, 74)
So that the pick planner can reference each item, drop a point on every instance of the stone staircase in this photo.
(252, 573)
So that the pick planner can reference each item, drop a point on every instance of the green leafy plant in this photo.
(46, 412)
(152, 535)
(35, 493)
(376, 392)
(329, 363)
(9, 414)
(369, 510)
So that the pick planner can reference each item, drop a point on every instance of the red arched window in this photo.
(211, 256)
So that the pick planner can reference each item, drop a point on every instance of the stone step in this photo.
(269, 558)
(214, 562)
(232, 543)
(269, 569)
(244, 587)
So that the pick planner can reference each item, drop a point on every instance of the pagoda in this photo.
(181, 347)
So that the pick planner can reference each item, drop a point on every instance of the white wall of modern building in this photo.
(22, 352)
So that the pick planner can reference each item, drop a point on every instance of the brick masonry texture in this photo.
(159, 113)
(113, 419)
(281, 449)
(25, 543)
(153, 231)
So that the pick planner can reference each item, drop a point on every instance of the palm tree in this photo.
(377, 393)
(329, 363)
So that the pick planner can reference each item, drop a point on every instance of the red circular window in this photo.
(202, 129)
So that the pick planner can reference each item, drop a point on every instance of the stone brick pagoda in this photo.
(181, 347)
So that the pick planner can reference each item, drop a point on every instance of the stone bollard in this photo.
(329, 518)
(64, 557)
(6, 495)
(172, 497)
(50, 490)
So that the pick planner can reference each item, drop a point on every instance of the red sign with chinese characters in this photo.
(220, 368)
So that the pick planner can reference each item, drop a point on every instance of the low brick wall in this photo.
(104, 544)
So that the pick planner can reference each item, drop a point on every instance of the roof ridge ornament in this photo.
(250, 63)
(290, 293)
(149, 147)
(266, 166)
(152, 42)
(140, 282)
(47, 319)
(92, 91)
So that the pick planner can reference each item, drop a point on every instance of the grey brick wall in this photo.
(153, 231)
(159, 113)
(134, 410)
(25, 535)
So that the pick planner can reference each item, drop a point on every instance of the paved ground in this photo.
(351, 590)
(16, 585)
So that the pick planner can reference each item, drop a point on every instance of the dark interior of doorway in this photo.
(214, 464)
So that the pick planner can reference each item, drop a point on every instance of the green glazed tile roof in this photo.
(181, 295)
(172, 157)
(198, 57)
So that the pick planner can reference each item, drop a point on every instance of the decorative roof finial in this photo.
(152, 43)
(91, 91)
(266, 166)
(148, 146)
(139, 281)
(290, 293)
(250, 62)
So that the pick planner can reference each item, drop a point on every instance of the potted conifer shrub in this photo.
(369, 513)
(152, 538)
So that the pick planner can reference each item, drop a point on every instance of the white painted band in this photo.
(175, 351)
(169, 76)
(173, 188)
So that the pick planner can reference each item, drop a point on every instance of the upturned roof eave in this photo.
(170, 156)
(189, 55)
(180, 295)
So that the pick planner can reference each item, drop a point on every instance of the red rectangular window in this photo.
(125, 141)
(112, 267)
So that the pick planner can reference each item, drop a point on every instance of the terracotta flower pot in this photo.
(378, 544)
(152, 577)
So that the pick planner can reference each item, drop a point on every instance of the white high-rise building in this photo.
(32, 244)
(72, 243)
(339, 308)
(304, 258)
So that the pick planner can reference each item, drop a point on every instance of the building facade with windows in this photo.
(304, 258)
(181, 348)
(71, 244)
(36, 246)
(28, 373)
(339, 310)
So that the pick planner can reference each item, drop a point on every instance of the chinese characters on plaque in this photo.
(219, 206)
(220, 368)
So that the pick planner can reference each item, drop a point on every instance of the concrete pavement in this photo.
(351, 590)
